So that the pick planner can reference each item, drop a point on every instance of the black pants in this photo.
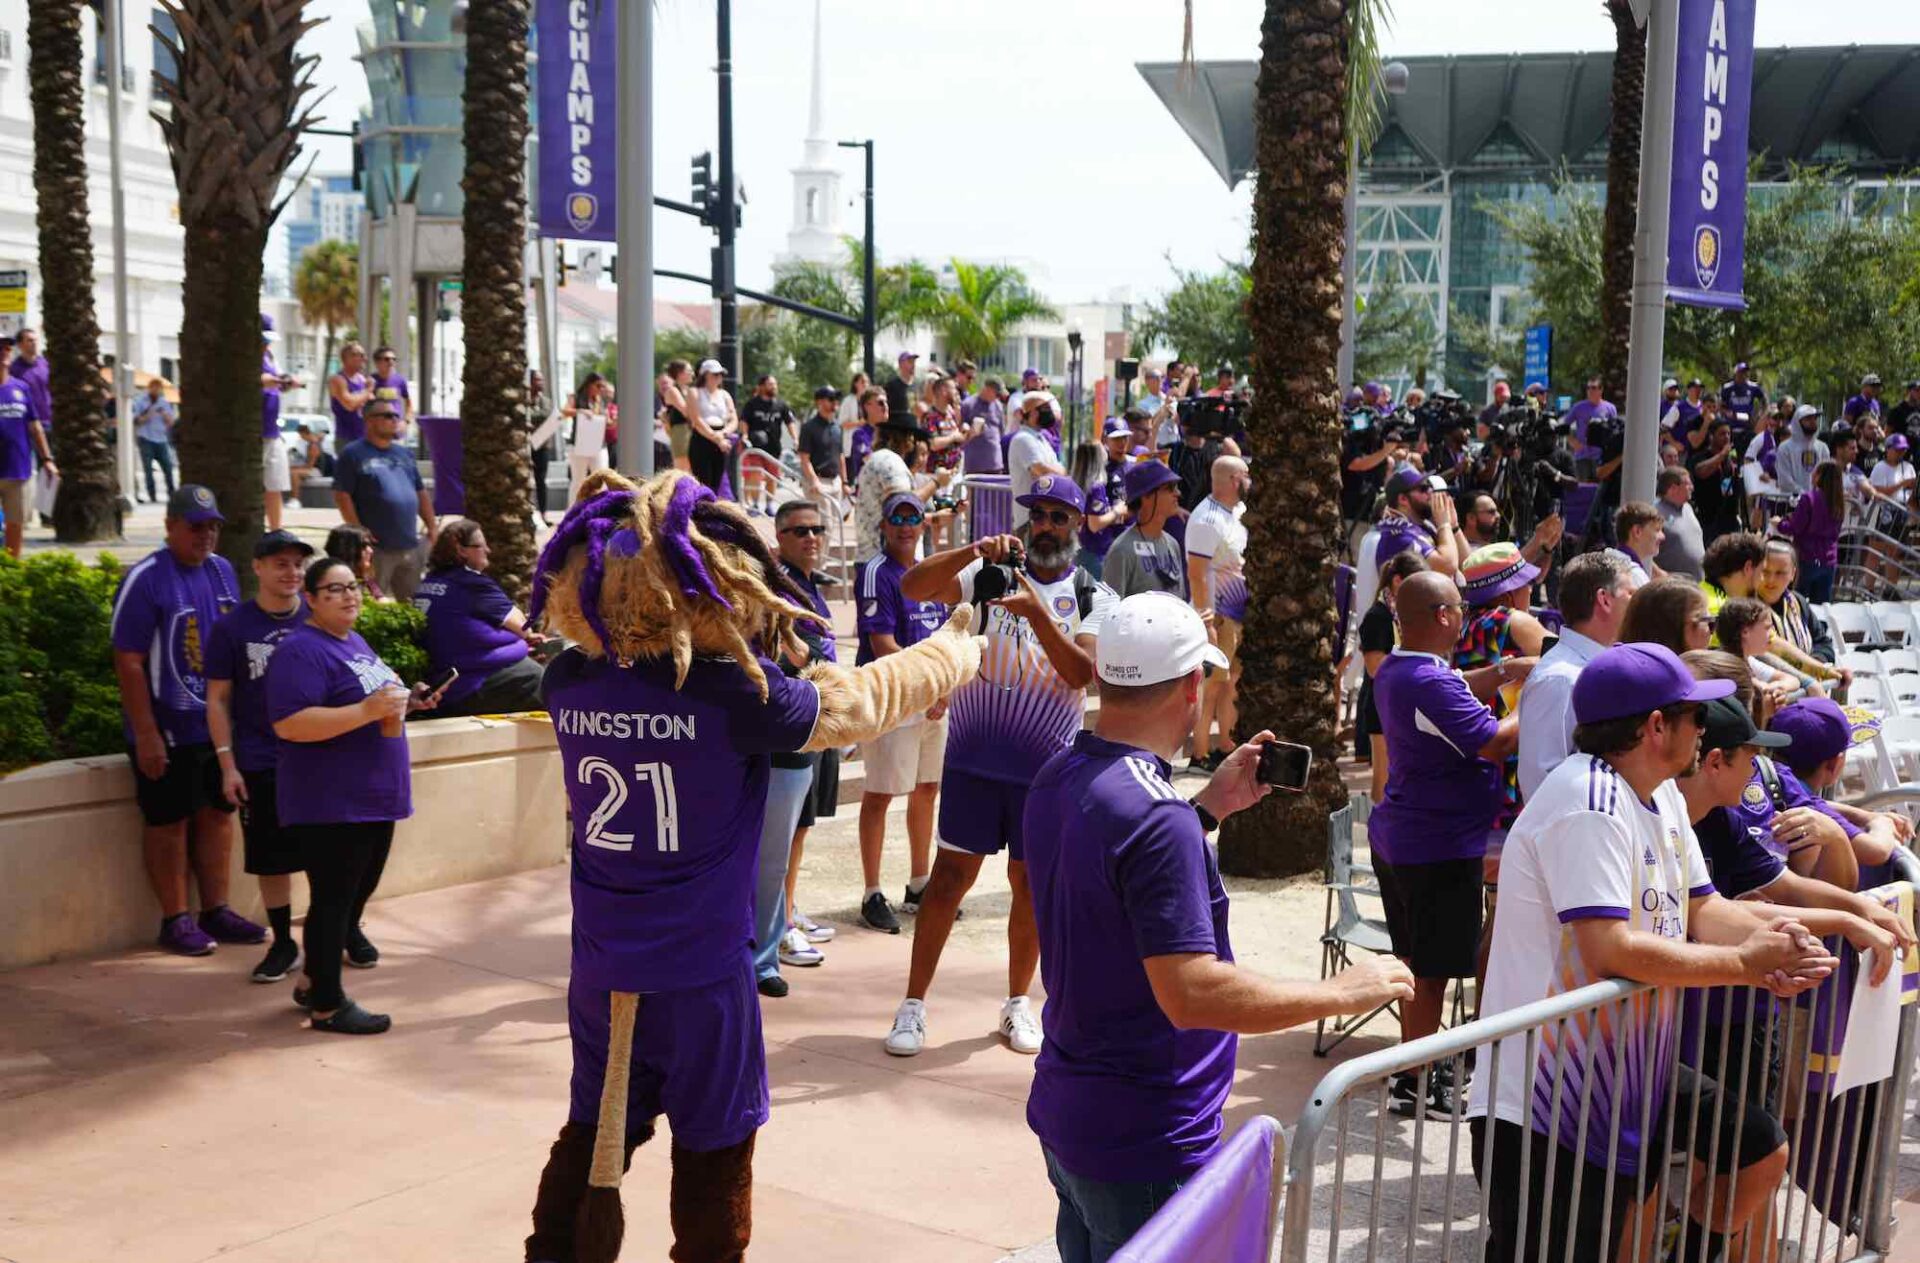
(344, 863)
(542, 455)
(511, 688)
(709, 463)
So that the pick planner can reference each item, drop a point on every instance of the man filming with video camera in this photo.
(1207, 424)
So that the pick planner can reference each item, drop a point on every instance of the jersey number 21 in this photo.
(666, 810)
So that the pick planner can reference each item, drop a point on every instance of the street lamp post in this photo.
(869, 315)
(634, 232)
(1394, 78)
(1076, 347)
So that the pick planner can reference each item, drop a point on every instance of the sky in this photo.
(1016, 129)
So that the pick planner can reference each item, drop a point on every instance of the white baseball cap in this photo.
(1152, 637)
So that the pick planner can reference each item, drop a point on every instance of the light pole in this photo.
(634, 232)
(1647, 334)
(869, 316)
(1076, 345)
(1394, 78)
(117, 189)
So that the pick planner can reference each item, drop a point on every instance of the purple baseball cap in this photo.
(1032, 372)
(1058, 488)
(1819, 728)
(194, 503)
(1116, 425)
(1897, 443)
(899, 498)
(1633, 679)
(1408, 479)
(1145, 478)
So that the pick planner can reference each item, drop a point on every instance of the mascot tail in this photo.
(602, 1222)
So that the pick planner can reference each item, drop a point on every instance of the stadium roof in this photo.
(1526, 113)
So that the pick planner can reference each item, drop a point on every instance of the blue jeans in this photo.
(1097, 1217)
(787, 790)
(154, 451)
(1816, 582)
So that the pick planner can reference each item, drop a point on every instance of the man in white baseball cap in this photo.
(1144, 1003)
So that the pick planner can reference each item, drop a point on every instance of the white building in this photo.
(815, 235)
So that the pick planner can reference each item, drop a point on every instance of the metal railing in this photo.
(1659, 1159)
(989, 505)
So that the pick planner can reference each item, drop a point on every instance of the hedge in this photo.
(58, 696)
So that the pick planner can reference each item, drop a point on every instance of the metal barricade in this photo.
(1656, 1090)
(989, 505)
(1226, 1213)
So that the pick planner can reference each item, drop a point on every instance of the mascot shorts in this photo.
(698, 1058)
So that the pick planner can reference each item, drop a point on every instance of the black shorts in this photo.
(191, 783)
(825, 798)
(271, 850)
(1433, 915)
(1508, 1241)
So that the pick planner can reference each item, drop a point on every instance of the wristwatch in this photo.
(1208, 822)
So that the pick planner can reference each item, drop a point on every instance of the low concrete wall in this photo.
(487, 797)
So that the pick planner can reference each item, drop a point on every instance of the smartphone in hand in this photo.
(1284, 765)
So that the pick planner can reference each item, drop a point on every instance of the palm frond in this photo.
(1367, 20)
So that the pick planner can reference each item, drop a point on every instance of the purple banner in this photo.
(579, 109)
(1713, 87)
(448, 454)
(1223, 1214)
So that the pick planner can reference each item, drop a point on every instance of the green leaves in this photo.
(1202, 318)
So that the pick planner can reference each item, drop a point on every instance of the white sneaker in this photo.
(909, 1031)
(795, 950)
(1021, 1025)
(815, 932)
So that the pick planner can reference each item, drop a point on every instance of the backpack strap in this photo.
(1770, 778)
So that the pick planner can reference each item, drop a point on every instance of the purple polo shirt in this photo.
(37, 377)
(269, 402)
(883, 611)
(240, 649)
(1441, 796)
(1121, 873)
(983, 455)
(349, 426)
(663, 897)
(1102, 494)
(166, 610)
(16, 445)
(360, 776)
(466, 627)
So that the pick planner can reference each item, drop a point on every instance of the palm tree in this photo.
(1623, 197)
(984, 304)
(87, 507)
(233, 127)
(493, 296)
(1316, 78)
(908, 293)
(327, 283)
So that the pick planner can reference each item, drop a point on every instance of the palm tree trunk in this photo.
(87, 507)
(219, 435)
(1623, 198)
(1288, 652)
(494, 294)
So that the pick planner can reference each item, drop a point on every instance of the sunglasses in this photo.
(1053, 517)
(804, 532)
(1450, 605)
(904, 519)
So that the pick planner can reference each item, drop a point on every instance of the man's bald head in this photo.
(1430, 612)
(1230, 480)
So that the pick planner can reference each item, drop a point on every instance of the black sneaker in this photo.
(277, 963)
(361, 953)
(773, 985)
(351, 1019)
(875, 912)
(1403, 1096)
(910, 901)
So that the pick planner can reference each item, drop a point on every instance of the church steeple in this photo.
(815, 234)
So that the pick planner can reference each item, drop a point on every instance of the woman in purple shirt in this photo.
(474, 628)
(1814, 527)
(343, 780)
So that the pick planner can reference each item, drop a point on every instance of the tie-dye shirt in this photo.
(1585, 847)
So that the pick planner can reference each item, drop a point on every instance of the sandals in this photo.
(351, 1019)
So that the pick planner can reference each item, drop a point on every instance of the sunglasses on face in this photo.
(904, 519)
(1461, 606)
(1701, 620)
(804, 532)
(1053, 517)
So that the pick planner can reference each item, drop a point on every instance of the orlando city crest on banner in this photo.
(1707, 228)
(578, 110)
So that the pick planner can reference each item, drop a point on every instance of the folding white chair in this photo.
(1904, 690)
(1864, 663)
(1895, 621)
(1900, 662)
(1901, 736)
(1853, 623)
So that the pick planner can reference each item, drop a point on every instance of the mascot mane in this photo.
(666, 569)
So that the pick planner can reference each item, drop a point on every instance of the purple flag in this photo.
(578, 111)
(1225, 1213)
(1707, 228)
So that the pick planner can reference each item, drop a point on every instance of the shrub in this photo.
(397, 632)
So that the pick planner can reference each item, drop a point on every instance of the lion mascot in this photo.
(667, 708)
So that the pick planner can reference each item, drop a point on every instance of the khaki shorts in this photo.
(273, 463)
(908, 756)
(13, 500)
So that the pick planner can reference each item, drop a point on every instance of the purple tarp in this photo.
(1222, 1214)
(442, 435)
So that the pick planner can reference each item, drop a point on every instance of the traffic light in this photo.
(703, 189)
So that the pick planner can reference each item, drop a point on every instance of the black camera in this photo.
(998, 579)
(1211, 416)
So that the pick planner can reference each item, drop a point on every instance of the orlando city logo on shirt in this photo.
(1753, 795)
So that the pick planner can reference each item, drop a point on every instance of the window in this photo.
(164, 66)
(813, 207)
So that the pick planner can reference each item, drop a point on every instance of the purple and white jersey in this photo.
(165, 610)
(1398, 533)
(1584, 847)
(883, 610)
(1018, 713)
(1216, 533)
(663, 898)
(467, 614)
(239, 649)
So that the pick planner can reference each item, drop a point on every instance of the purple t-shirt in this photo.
(16, 446)
(883, 611)
(239, 649)
(349, 426)
(1102, 494)
(983, 455)
(857, 454)
(38, 379)
(466, 616)
(1397, 535)
(269, 402)
(392, 388)
(1861, 406)
(823, 630)
(1584, 412)
(166, 610)
(1441, 795)
(1122, 872)
(358, 777)
(663, 899)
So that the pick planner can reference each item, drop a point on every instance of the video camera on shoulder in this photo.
(1211, 416)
